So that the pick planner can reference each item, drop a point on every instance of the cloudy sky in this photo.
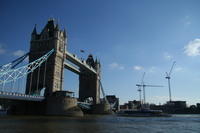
(129, 37)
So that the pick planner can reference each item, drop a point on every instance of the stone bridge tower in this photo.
(51, 76)
(89, 85)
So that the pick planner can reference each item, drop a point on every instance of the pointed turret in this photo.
(90, 61)
(41, 42)
(65, 33)
(96, 61)
(51, 24)
(57, 27)
(34, 30)
(34, 33)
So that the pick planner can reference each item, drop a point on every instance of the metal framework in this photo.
(9, 75)
(13, 64)
(168, 77)
(143, 85)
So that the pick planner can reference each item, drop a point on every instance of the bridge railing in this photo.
(20, 96)
(80, 63)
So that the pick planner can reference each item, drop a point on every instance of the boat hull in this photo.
(142, 113)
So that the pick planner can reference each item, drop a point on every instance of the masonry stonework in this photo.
(50, 75)
(89, 85)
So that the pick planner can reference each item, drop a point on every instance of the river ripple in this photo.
(100, 124)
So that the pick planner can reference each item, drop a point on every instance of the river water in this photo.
(100, 124)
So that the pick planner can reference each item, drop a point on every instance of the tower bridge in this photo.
(48, 74)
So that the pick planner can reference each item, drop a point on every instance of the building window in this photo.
(61, 47)
(56, 85)
(57, 73)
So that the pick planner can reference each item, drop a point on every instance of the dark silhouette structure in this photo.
(50, 75)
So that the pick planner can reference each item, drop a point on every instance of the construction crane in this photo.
(139, 90)
(143, 87)
(168, 78)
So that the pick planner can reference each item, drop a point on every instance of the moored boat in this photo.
(143, 113)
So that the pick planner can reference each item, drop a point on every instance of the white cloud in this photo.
(115, 65)
(167, 56)
(19, 53)
(138, 68)
(192, 48)
(2, 50)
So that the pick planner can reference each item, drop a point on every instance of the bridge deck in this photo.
(71, 68)
(19, 96)
(81, 63)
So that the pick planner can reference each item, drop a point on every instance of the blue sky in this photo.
(129, 37)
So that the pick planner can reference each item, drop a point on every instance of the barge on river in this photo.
(143, 113)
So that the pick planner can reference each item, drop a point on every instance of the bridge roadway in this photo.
(19, 96)
(24, 97)
(80, 63)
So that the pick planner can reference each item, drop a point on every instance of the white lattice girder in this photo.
(14, 74)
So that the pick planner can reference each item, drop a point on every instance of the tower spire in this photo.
(57, 27)
(34, 30)
(96, 61)
(65, 33)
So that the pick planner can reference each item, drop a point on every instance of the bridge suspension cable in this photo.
(38, 80)
(13, 64)
(104, 95)
(45, 69)
(14, 74)
(30, 82)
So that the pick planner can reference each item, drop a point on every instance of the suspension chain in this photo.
(38, 80)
